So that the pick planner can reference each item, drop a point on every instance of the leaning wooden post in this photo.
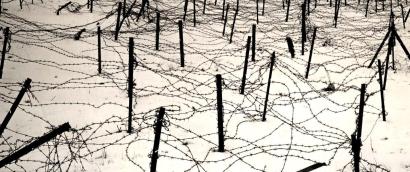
(303, 27)
(225, 19)
(253, 41)
(99, 48)
(245, 67)
(311, 53)
(181, 43)
(157, 29)
(221, 145)
(3, 53)
(130, 81)
(234, 19)
(117, 26)
(157, 139)
(389, 51)
(313, 167)
(379, 66)
(290, 47)
(272, 63)
(62, 7)
(35, 144)
(287, 11)
(185, 9)
(193, 2)
(13, 108)
(357, 138)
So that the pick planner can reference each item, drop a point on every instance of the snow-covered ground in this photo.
(305, 124)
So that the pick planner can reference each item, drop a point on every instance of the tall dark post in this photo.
(225, 19)
(3, 53)
(389, 50)
(157, 139)
(203, 12)
(13, 108)
(185, 9)
(91, 6)
(257, 11)
(380, 47)
(311, 52)
(223, 9)
(367, 7)
(287, 11)
(99, 48)
(272, 63)
(253, 41)
(123, 8)
(245, 67)
(403, 17)
(181, 43)
(234, 19)
(263, 7)
(117, 26)
(357, 138)
(290, 47)
(193, 2)
(221, 146)
(21, 4)
(35, 144)
(303, 27)
(157, 29)
(130, 81)
(379, 66)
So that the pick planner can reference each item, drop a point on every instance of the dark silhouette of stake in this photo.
(303, 27)
(157, 32)
(99, 48)
(223, 9)
(389, 51)
(62, 7)
(287, 11)
(367, 7)
(185, 9)
(234, 19)
(263, 7)
(380, 47)
(21, 4)
(77, 36)
(117, 26)
(181, 43)
(157, 139)
(312, 167)
(203, 12)
(290, 47)
(130, 81)
(13, 108)
(124, 4)
(3, 53)
(253, 41)
(225, 19)
(257, 11)
(141, 12)
(216, 1)
(379, 65)
(402, 15)
(91, 6)
(245, 67)
(311, 53)
(193, 3)
(337, 7)
(221, 145)
(33, 145)
(357, 138)
(272, 63)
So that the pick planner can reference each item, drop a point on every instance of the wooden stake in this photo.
(303, 27)
(379, 65)
(225, 19)
(13, 108)
(62, 7)
(91, 6)
(263, 7)
(194, 4)
(3, 53)
(253, 42)
(245, 67)
(312, 167)
(310, 54)
(35, 144)
(221, 145)
(380, 47)
(99, 48)
(117, 26)
(185, 9)
(157, 139)
(272, 63)
(157, 29)
(130, 81)
(257, 11)
(287, 11)
(234, 19)
(223, 9)
(203, 12)
(181, 43)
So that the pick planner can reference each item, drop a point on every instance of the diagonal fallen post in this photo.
(62, 7)
(312, 167)
(35, 144)
(157, 139)
(13, 108)
(272, 63)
